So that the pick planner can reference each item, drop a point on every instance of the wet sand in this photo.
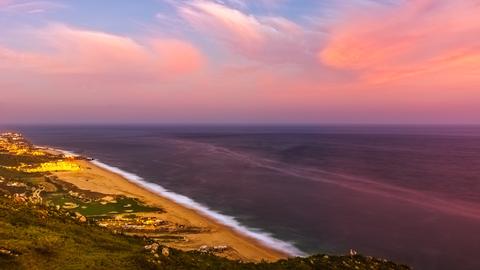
(96, 179)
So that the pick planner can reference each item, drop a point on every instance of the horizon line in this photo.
(235, 124)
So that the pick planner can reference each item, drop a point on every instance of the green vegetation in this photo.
(44, 238)
(100, 208)
(41, 237)
(9, 159)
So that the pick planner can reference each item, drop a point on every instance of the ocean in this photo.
(406, 193)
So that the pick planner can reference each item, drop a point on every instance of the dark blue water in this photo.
(406, 193)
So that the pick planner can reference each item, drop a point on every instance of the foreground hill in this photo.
(41, 237)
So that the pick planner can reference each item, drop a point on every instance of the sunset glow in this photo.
(240, 61)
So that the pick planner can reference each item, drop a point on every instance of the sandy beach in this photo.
(97, 179)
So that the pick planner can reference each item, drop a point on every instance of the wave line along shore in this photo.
(251, 244)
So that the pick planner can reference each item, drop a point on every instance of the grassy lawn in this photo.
(97, 208)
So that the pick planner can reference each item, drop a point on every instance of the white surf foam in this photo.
(229, 221)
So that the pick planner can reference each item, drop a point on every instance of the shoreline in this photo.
(248, 244)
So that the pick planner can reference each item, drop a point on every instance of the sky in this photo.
(240, 61)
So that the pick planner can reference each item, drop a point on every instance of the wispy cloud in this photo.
(29, 7)
(77, 51)
(261, 38)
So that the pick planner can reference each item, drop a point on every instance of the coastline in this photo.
(247, 245)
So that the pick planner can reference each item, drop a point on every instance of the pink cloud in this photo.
(229, 24)
(261, 38)
(76, 51)
(406, 40)
(89, 73)
(177, 56)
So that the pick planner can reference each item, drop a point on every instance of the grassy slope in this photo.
(44, 238)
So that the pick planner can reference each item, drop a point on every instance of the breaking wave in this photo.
(261, 236)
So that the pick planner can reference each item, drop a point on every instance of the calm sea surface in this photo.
(410, 194)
